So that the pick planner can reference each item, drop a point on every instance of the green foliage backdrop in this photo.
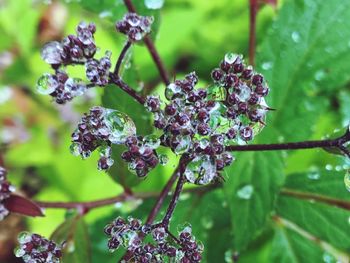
(273, 207)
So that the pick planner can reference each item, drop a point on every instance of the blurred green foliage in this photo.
(303, 51)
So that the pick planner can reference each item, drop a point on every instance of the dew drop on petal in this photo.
(172, 90)
(244, 93)
(245, 192)
(19, 252)
(121, 126)
(231, 57)
(51, 52)
(183, 145)
(46, 84)
(24, 237)
(151, 141)
(201, 170)
(163, 159)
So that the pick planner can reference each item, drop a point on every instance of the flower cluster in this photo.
(141, 154)
(5, 190)
(201, 122)
(74, 49)
(35, 248)
(134, 26)
(126, 234)
(97, 71)
(101, 128)
(60, 86)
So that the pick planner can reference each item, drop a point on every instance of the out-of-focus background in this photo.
(303, 49)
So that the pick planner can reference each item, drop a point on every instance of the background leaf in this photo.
(251, 187)
(76, 237)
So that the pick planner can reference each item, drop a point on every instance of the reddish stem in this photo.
(151, 48)
(253, 4)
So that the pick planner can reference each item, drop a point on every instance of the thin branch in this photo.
(328, 143)
(173, 202)
(151, 48)
(121, 57)
(96, 203)
(125, 87)
(155, 210)
(252, 30)
(319, 198)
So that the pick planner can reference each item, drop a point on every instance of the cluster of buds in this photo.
(201, 122)
(35, 248)
(141, 154)
(97, 71)
(126, 234)
(101, 128)
(74, 49)
(60, 86)
(5, 191)
(134, 26)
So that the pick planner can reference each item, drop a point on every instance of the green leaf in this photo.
(329, 184)
(304, 54)
(252, 183)
(325, 222)
(77, 247)
(290, 247)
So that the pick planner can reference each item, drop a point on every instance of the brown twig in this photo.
(253, 4)
(328, 143)
(151, 48)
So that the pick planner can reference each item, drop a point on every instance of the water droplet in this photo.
(217, 93)
(207, 223)
(231, 57)
(51, 52)
(121, 126)
(267, 65)
(329, 167)
(163, 159)
(46, 84)
(24, 237)
(154, 4)
(347, 180)
(314, 175)
(328, 49)
(128, 237)
(295, 36)
(105, 13)
(19, 252)
(5, 94)
(75, 86)
(338, 168)
(183, 145)
(201, 170)
(320, 75)
(328, 258)
(171, 90)
(151, 141)
(229, 256)
(245, 192)
(244, 93)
